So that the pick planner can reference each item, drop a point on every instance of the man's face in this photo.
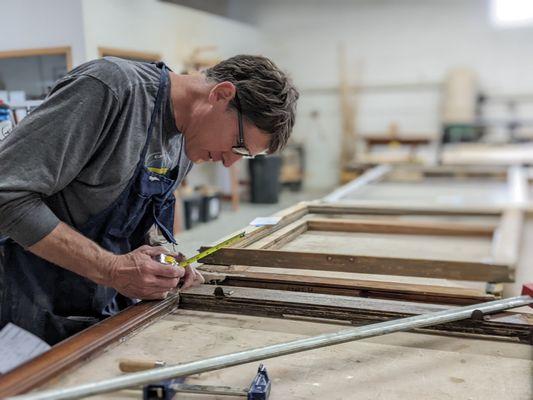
(214, 129)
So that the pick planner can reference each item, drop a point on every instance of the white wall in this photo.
(29, 24)
(143, 25)
(388, 41)
(171, 30)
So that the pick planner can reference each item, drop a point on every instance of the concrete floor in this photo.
(229, 221)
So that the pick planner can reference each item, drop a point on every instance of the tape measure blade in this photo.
(211, 250)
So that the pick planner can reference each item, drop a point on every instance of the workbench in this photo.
(399, 366)
(326, 265)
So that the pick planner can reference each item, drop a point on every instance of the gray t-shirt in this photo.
(73, 155)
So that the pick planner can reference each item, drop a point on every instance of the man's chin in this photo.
(193, 158)
(202, 160)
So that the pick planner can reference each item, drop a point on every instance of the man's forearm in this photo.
(135, 274)
(71, 250)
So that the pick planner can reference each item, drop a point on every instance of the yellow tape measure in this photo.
(166, 259)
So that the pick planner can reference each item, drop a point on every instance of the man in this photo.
(85, 176)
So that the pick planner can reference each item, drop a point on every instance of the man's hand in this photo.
(192, 277)
(138, 275)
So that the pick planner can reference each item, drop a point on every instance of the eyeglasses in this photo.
(240, 149)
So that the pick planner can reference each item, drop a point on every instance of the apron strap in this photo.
(158, 100)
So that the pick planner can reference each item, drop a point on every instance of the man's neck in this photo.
(185, 90)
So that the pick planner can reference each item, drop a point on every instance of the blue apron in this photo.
(54, 303)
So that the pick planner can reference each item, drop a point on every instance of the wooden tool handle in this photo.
(129, 365)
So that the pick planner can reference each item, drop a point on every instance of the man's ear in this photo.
(222, 93)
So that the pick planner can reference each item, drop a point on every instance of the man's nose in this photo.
(229, 158)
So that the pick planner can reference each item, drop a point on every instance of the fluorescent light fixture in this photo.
(512, 13)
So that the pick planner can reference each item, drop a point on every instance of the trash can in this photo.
(264, 179)
(210, 207)
(192, 207)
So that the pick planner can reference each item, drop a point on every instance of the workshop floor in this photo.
(229, 221)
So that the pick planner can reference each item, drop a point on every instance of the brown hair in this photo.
(267, 95)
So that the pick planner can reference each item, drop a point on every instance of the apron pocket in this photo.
(123, 225)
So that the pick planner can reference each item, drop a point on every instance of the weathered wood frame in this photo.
(344, 309)
(424, 293)
(505, 249)
(261, 246)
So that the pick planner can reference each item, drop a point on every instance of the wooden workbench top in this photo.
(396, 366)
